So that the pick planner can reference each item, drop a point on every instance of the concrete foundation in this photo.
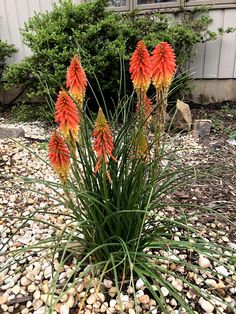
(213, 90)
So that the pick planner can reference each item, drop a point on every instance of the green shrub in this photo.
(6, 50)
(105, 38)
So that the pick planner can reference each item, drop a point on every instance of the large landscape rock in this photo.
(183, 117)
(11, 132)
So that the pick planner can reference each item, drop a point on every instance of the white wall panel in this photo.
(213, 48)
(228, 48)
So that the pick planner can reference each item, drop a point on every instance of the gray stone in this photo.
(11, 132)
(201, 128)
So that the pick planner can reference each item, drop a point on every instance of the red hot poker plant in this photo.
(163, 65)
(140, 68)
(66, 113)
(76, 80)
(103, 141)
(59, 156)
(163, 71)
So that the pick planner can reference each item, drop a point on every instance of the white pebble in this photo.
(206, 306)
(222, 270)
(107, 283)
(164, 291)
(64, 309)
(112, 303)
(204, 262)
(139, 284)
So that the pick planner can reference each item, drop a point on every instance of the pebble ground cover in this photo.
(24, 286)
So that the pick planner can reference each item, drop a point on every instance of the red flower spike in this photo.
(163, 65)
(66, 113)
(140, 67)
(59, 156)
(103, 143)
(76, 80)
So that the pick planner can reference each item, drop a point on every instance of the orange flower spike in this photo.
(76, 80)
(163, 65)
(103, 143)
(66, 113)
(59, 156)
(140, 67)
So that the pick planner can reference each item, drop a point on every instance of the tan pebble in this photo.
(87, 312)
(131, 311)
(25, 281)
(57, 307)
(225, 239)
(104, 307)
(37, 304)
(30, 276)
(3, 299)
(111, 310)
(16, 289)
(36, 295)
(211, 282)
(31, 288)
(4, 307)
(70, 302)
(101, 297)
(45, 288)
(64, 298)
(91, 299)
(152, 302)
(72, 291)
(80, 287)
(112, 292)
(25, 311)
(97, 305)
(30, 201)
(129, 305)
(144, 299)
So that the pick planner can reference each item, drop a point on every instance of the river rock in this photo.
(11, 132)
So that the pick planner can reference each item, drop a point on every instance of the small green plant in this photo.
(24, 112)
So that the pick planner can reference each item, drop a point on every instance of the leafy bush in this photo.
(104, 39)
(6, 50)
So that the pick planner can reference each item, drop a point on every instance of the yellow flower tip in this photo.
(103, 144)
(141, 145)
